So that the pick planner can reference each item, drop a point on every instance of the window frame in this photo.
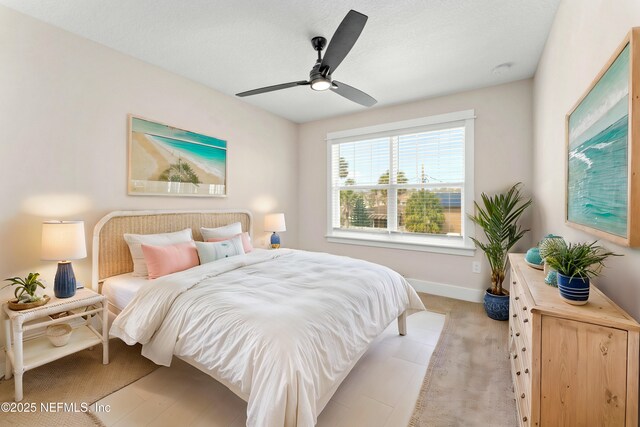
(386, 239)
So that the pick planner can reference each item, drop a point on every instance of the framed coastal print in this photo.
(603, 151)
(168, 161)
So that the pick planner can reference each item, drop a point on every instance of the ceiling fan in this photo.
(320, 76)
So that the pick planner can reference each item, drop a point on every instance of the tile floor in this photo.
(380, 391)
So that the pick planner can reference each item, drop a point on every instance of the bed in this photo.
(280, 328)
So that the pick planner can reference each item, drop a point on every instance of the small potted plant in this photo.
(498, 218)
(576, 264)
(25, 292)
(548, 246)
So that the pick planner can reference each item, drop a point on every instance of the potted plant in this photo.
(25, 292)
(576, 264)
(498, 218)
(549, 245)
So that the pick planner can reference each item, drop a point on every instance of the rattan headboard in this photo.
(110, 252)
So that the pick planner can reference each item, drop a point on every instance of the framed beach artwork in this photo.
(603, 151)
(167, 161)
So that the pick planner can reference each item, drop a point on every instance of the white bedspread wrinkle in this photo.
(280, 327)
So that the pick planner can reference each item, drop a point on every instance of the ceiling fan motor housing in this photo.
(318, 80)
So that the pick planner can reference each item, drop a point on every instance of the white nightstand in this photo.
(23, 354)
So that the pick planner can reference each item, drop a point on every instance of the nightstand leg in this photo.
(8, 369)
(105, 334)
(18, 360)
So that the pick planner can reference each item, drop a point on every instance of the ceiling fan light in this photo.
(320, 84)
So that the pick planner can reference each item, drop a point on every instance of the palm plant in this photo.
(26, 288)
(498, 218)
(584, 260)
(180, 172)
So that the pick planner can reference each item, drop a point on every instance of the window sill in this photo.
(434, 244)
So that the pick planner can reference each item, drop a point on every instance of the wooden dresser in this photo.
(571, 365)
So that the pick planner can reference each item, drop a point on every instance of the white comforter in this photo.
(280, 328)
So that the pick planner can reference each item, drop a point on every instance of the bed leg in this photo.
(402, 323)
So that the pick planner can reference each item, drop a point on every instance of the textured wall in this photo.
(583, 37)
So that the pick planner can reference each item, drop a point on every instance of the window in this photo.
(404, 184)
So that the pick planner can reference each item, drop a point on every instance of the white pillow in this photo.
(135, 242)
(220, 232)
(213, 251)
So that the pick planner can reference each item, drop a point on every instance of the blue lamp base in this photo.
(64, 284)
(275, 241)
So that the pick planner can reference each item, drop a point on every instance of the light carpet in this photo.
(76, 379)
(468, 381)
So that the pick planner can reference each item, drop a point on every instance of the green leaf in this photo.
(28, 284)
(498, 217)
(577, 259)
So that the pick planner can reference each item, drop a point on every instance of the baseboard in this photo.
(445, 290)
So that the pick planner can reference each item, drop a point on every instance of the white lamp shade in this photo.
(274, 222)
(63, 240)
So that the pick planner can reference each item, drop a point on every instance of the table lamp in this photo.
(63, 241)
(275, 222)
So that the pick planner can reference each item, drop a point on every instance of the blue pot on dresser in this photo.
(496, 306)
(573, 290)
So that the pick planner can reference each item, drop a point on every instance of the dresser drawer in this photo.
(522, 390)
(520, 314)
(523, 353)
(521, 306)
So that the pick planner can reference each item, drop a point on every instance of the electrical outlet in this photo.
(476, 266)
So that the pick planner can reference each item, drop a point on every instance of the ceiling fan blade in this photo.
(353, 94)
(343, 40)
(272, 88)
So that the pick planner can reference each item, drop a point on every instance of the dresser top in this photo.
(546, 299)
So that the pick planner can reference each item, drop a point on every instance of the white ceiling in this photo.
(409, 49)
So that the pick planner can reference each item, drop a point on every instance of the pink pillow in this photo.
(163, 260)
(246, 241)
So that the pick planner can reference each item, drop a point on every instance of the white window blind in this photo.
(364, 159)
(406, 183)
(432, 157)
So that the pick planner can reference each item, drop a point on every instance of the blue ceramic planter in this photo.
(574, 290)
(496, 306)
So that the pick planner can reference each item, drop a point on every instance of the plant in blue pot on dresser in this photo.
(576, 264)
